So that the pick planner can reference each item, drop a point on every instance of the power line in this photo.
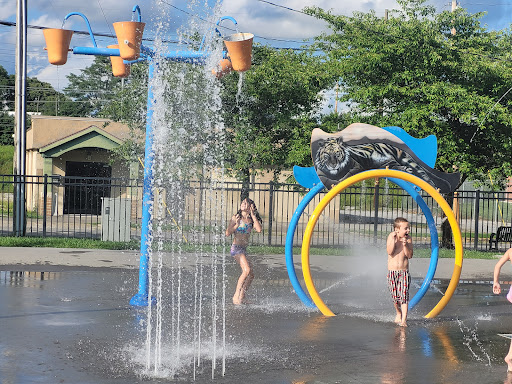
(234, 30)
(13, 24)
(282, 6)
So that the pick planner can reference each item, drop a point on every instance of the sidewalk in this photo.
(74, 258)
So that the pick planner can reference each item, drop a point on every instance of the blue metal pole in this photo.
(434, 239)
(198, 57)
(288, 248)
(141, 298)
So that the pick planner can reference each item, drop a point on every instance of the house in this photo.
(67, 147)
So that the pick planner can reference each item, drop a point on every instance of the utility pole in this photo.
(21, 121)
(454, 7)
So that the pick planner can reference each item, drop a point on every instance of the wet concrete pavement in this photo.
(66, 319)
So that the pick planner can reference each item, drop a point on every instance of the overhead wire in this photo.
(105, 17)
(232, 29)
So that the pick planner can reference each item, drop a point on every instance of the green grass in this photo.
(6, 157)
(54, 242)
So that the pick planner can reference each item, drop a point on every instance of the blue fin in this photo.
(306, 176)
(425, 149)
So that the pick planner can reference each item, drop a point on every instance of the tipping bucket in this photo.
(239, 46)
(223, 68)
(57, 44)
(119, 69)
(129, 38)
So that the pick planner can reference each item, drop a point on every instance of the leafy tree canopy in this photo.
(93, 88)
(412, 71)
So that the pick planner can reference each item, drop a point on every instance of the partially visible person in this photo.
(242, 223)
(496, 289)
(399, 248)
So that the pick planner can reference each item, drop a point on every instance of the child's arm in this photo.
(233, 224)
(390, 245)
(255, 222)
(496, 287)
(407, 242)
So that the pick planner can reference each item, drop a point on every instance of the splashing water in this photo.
(387, 198)
(471, 341)
(436, 289)
(239, 88)
(189, 318)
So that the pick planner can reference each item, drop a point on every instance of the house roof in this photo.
(91, 137)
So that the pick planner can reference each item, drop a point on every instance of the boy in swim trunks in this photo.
(399, 248)
(242, 223)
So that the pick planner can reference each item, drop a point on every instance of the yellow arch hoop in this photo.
(369, 175)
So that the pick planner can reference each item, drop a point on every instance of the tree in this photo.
(411, 71)
(6, 89)
(94, 88)
(128, 105)
(276, 108)
(43, 98)
(6, 129)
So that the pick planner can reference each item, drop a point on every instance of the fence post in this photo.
(270, 211)
(477, 214)
(45, 203)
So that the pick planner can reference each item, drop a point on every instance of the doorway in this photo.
(84, 186)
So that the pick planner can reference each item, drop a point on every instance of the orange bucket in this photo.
(239, 46)
(129, 37)
(119, 69)
(223, 68)
(57, 44)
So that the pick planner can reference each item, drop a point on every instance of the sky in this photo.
(278, 23)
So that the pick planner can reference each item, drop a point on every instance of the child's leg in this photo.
(248, 280)
(405, 282)
(398, 318)
(404, 308)
(246, 271)
(392, 285)
(508, 358)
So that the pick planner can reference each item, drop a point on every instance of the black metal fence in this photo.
(111, 209)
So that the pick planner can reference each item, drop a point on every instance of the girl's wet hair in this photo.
(256, 213)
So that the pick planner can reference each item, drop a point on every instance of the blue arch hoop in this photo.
(306, 178)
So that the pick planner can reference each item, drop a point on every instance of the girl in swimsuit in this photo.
(242, 223)
(496, 289)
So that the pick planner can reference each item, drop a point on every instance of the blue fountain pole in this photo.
(142, 297)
